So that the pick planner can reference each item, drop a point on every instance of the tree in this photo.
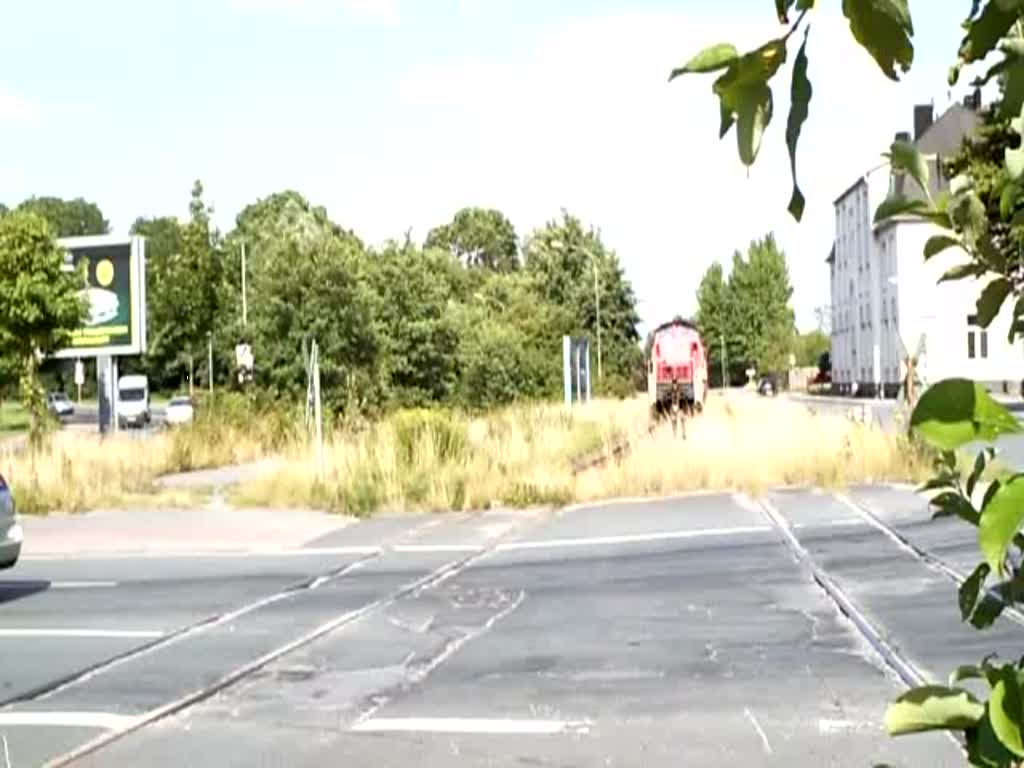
(40, 304)
(164, 242)
(480, 237)
(68, 218)
(419, 334)
(713, 318)
(809, 348)
(572, 268)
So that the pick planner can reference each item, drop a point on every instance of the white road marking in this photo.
(140, 634)
(104, 720)
(828, 726)
(848, 523)
(82, 584)
(632, 538)
(436, 548)
(759, 729)
(212, 554)
(469, 725)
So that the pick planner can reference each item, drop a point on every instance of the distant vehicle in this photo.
(768, 386)
(677, 380)
(59, 405)
(179, 411)
(133, 402)
(10, 529)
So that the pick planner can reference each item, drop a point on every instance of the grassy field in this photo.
(441, 460)
(13, 418)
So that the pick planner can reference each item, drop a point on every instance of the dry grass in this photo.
(440, 460)
(79, 471)
(750, 444)
(521, 457)
(445, 461)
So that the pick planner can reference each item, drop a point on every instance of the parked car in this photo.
(180, 410)
(10, 529)
(59, 405)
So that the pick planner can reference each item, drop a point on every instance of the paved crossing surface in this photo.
(684, 631)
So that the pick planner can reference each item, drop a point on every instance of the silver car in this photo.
(10, 529)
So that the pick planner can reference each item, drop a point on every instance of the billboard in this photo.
(115, 292)
(576, 369)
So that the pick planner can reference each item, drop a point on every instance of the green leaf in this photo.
(744, 93)
(938, 243)
(800, 99)
(968, 593)
(991, 300)
(952, 504)
(954, 412)
(782, 10)
(753, 113)
(984, 32)
(962, 271)
(906, 158)
(990, 493)
(980, 462)
(1005, 711)
(932, 708)
(900, 206)
(712, 58)
(935, 483)
(986, 612)
(884, 29)
(984, 748)
(727, 119)
(1000, 520)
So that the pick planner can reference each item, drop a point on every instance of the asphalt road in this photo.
(86, 415)
(677, 632)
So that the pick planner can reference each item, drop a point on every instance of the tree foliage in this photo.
(479, 237)
(40, 304)
(979, 216)
(750, 311)
(67, 218)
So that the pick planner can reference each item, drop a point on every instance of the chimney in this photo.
(973, 100)
(903, 136)
(924, 116)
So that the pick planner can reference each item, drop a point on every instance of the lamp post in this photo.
(560, 246)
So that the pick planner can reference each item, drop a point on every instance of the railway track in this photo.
(615, 452)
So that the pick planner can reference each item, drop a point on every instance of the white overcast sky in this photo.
(395, 113)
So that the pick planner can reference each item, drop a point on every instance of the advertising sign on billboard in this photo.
(115, 292)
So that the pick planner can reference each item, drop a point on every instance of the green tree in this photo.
(759, 311)
(40, 304)
(572, 268)
(479, 237)
(810, 346)
(164, 244)
(713, 318)
(68, 218)
(419, 334)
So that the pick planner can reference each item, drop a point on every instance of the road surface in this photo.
(688, 631)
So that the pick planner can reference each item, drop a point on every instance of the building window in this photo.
(977, 339)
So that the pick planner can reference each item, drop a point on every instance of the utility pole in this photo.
(597, 302)
(724, 382)
(245, 303)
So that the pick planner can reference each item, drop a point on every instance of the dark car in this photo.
(768, 386)
(10, 530)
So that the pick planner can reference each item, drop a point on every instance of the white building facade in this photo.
(886, 299)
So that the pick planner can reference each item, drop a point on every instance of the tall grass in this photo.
(432, 460)
(521, 457)
(440, 460)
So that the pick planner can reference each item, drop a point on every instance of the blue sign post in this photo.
(576, 370)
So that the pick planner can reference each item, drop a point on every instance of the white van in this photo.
(133, 402)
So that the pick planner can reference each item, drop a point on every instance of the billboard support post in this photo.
(567, 369)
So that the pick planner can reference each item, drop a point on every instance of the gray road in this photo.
(676, 632)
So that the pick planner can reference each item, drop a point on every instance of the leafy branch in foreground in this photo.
(981, 216)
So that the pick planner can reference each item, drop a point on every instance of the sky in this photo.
(393, 114)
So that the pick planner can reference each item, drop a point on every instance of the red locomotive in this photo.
(677, 380)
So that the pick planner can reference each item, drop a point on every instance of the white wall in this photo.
(941, 312)
(857, 283)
